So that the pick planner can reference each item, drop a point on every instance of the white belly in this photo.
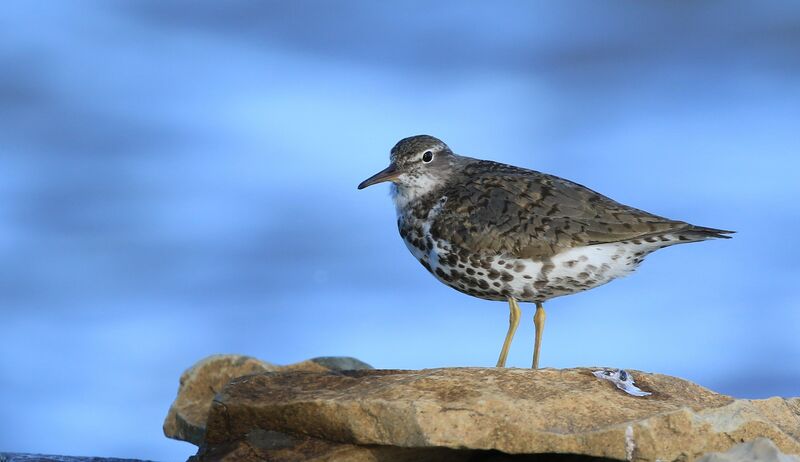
(497, 278)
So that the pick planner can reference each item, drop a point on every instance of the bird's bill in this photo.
(387, 174)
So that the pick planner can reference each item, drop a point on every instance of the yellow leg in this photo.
(513, 322)
(538, 322)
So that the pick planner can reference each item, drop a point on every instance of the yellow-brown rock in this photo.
(186, 419)
(482, 414)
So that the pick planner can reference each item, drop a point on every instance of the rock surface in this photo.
(18, 457)
(186, 419)
(758, 450)
(481, 414)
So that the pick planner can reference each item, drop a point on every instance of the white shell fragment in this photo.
(622, 380)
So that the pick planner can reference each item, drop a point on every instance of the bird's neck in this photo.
(408, 195)
(422, 191)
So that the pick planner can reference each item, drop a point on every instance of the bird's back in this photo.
(494, 208)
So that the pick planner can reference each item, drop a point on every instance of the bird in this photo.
(504, 233)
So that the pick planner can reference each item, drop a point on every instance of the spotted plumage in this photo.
(500, 232)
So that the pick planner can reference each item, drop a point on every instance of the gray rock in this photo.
(758, 450)
(18, 457)
(341, 363)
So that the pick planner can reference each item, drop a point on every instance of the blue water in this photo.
(178, 179)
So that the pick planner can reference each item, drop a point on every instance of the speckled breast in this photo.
(497, 277)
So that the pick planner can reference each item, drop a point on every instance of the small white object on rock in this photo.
(622, 380)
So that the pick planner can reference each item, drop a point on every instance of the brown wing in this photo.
(503, 210)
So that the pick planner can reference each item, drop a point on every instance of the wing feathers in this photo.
(500, 209)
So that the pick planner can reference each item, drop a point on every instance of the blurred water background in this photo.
(178, 179)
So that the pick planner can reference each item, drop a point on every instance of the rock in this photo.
(482, 414)
(260, 446)
(17, 457)
(187, 416)
(758, 450)
(341, 363)
(186, 419)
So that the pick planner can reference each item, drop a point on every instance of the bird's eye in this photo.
(427, 156)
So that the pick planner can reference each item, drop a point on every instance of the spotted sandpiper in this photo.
(499, 232)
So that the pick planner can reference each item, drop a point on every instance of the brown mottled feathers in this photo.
(499, 209)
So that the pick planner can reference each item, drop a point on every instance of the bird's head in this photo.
(418, 164)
